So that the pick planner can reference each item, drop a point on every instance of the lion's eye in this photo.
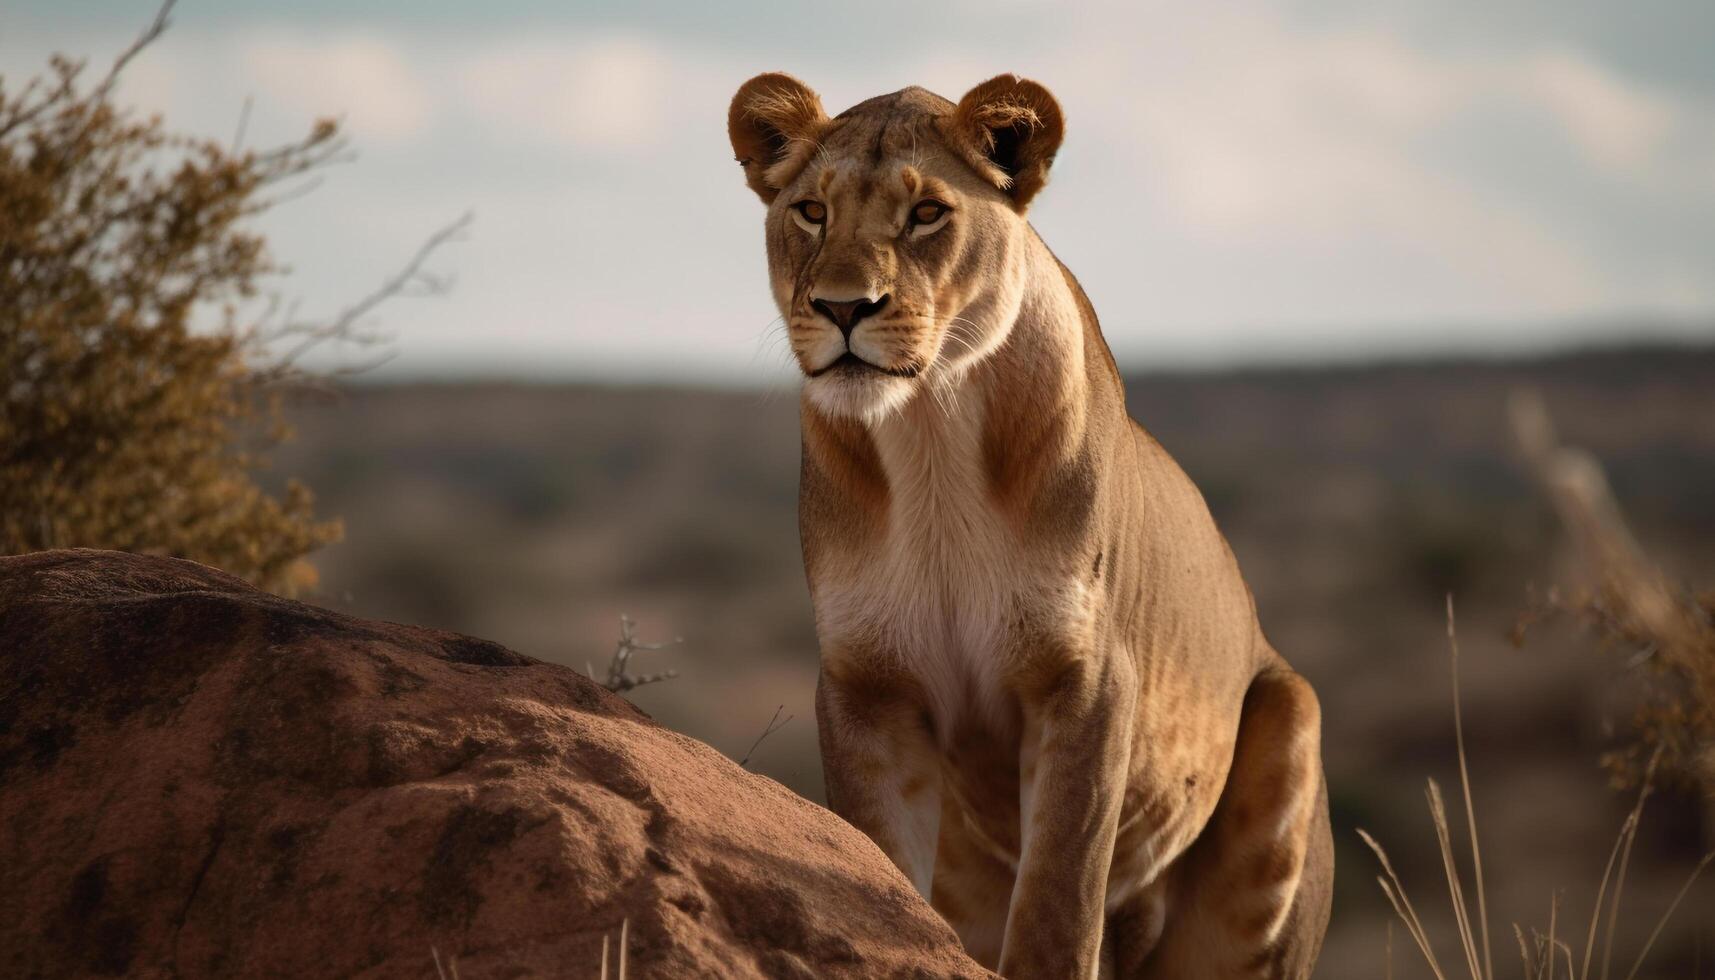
(927, 212)
(812, 211)
(927, 216)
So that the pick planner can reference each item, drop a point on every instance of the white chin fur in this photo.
(868, 398)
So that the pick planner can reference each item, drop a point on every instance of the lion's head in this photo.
(896, 230)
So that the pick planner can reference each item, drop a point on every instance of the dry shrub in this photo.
(141, 368)
(1629, 606)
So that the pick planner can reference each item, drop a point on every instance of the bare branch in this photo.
(774, 725)
(348, 325)
(155, 29)
(243, 123)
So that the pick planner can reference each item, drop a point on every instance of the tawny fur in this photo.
(1044, 692)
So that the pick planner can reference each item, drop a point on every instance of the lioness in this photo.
(1044, 693)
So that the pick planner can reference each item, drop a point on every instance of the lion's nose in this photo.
(847, 313)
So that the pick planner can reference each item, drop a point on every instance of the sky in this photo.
(1271, 181)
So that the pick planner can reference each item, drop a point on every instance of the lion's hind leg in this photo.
(1251, 898)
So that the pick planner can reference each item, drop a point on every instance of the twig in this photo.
(409, 280)
(619, 676)
(155, 29)
(243, 123)
(744, 763)
(99, 94)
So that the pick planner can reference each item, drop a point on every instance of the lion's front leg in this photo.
(1073, 764)
(880, 767)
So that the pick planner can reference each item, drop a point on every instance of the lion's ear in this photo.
(1009, 129)
(774, 123)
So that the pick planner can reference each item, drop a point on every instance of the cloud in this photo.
(1619, 124)
(610, 94)
(373, 84)
(367, 81)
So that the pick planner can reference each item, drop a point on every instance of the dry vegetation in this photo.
(619, 677)
(1542, 948)
(1632, 607)
(144, 362)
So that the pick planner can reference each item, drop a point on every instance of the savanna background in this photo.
(1342, 252)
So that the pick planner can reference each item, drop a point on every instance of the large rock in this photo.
(200, 779)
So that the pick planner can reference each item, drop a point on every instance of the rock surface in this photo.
(200, 779)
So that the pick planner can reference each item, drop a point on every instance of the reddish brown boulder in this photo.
(200, 779)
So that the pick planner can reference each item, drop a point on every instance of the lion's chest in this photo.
(935, 605)
(947, 588)
(949, 594)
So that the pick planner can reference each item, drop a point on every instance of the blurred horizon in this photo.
(1303, 181)
(1639, 343)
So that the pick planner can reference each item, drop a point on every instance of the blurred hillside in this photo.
(1355, 498)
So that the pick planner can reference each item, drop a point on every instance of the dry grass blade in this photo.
(1621, 845)
(1629, 827)
(1539, 953)
(1395, 893)
(624, 942)
(1671, 908)
(1614, 901)
(1625, 861)
(1621, 852)
(1465, 788)
(1553, 916)
(1456, 893)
